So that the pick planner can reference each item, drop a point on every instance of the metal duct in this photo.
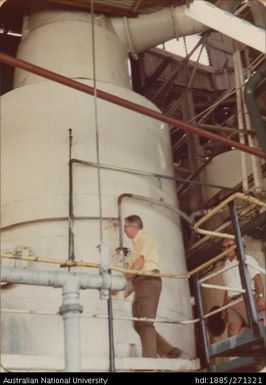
(147, 31)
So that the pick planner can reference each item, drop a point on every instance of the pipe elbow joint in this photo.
(118, 283)
(110, 282)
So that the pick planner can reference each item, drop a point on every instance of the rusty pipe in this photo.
(15, 62)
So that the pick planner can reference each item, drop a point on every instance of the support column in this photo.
(194, 148)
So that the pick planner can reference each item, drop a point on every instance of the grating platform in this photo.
(247, 348)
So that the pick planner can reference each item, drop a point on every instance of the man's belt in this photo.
(138, 277)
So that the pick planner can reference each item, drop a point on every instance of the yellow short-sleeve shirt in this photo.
(144, 245)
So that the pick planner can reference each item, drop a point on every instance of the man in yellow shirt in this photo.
(144, 257)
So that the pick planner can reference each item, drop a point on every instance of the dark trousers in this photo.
(145, 304)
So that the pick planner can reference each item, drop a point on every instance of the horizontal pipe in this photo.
(15, 62)
(58, 278)
(217, 209)
(188, 275)
(245, 229)
(146, 173)
(63, 263)
(48, 278)
(149, 30)
(54, 219)
(89, 264)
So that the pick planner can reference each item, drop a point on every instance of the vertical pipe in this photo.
(120, 231)
(71, 255)
(71, 310)
(111, 334)
(256, 166)
(203, 331)
(103, 254)
(252, 107)
(105, 294)
(240, 121)
(243, 270)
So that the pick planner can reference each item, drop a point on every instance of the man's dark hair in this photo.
(135, 219)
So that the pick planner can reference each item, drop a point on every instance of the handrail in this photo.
(213, 211)
(199, 282)
(142, 319)
(75, 263)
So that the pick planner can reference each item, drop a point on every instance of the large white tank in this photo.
(35, 119)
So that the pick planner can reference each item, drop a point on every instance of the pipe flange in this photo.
(70, 308)
(107, 280)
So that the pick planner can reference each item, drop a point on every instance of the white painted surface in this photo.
(147, 31)
(223, 170)
(93, 364)
(36, 117)
(35, 171)
(62, 42)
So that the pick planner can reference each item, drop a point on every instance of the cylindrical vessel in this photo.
(35, 120)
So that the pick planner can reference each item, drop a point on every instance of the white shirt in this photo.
(231, 277)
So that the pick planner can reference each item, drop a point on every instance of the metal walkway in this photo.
(248, 350)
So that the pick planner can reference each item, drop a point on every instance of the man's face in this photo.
(228, 243)
(130, 229)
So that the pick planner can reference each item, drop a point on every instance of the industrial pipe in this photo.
(59, 278)
(255, 162)
(104, 270)
(71, 251)
(240, 120)
(14, 62)
(70, 311)
(252, 107)
(147, 31)
(216, 209)
(54, 219)
(71, 308)
(147, 173)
